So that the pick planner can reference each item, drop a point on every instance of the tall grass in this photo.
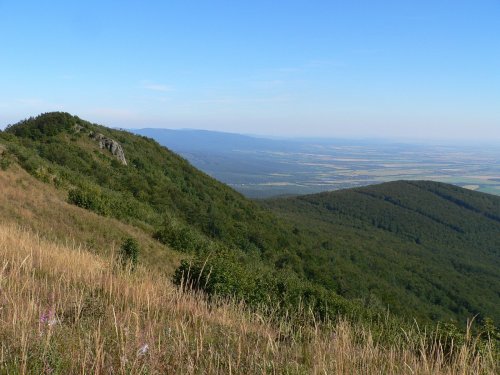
(64, 310)
(43, 208)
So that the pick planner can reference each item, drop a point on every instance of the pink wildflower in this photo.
(48, 318)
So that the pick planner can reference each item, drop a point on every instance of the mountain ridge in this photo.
(330, 252)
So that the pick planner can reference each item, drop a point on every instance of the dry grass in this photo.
(42, 208)
(64, 310)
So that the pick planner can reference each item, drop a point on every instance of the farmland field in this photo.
(262, 168)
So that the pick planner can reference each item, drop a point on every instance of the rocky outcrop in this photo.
(78, 128)
(111, 145)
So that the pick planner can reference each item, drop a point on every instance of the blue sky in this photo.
(390, 69)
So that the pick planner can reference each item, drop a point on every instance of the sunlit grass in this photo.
(44, 209)
(64, 310)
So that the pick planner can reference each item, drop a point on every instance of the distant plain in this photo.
(261, 168)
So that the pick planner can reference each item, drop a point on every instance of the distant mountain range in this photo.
(188, 140)
(215, 141)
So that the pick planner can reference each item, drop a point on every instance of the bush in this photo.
(222, 273)
(181, 238)
(129, 252)
(88, 199)
(5, 163)
(45, 125)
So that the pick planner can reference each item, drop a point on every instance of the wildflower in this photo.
(48, 318)
(143, 350)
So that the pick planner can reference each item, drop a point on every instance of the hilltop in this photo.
(421, 250)
(63, 149)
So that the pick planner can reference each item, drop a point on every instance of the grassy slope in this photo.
(425, 247)
(159, 187)
(40, 207)
(64, 310)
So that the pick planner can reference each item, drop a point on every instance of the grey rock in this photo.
(111, 145)
(77, 128)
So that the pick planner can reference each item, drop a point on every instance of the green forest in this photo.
(420, 250)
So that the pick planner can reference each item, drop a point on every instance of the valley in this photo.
(260, 168)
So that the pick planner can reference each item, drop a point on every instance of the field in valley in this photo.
(315, 167)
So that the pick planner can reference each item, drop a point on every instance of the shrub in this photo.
(129, 252)
(222, 273)
(88, 199)
(45, 125)
(5, 163)
(181, 238)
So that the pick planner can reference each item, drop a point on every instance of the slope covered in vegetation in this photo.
(43, 209)
(162, 195)
(58, 147)
(303, 289)
(425, 247)
(64, 310)
(426, 251)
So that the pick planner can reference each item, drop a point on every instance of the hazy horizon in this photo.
(311, 138)
(381, 139)
(388, 70)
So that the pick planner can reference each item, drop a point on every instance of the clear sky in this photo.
(413, 69)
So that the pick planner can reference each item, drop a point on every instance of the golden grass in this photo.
(43, 208)
(64, 310)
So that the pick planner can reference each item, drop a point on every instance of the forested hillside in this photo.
(238, 247)
(424, 250)
(155, 183)
(416, 246)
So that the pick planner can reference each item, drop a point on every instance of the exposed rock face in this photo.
(111, 145)
(77, 128)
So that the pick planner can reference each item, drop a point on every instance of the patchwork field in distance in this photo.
(261, 168)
